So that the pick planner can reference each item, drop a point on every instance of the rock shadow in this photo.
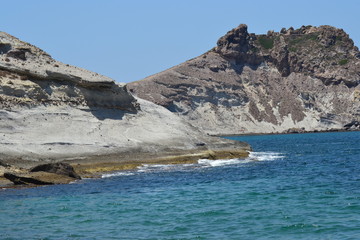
(109, 102)
(239, 64)
(103, 113)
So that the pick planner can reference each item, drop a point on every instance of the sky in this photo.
(130, 40)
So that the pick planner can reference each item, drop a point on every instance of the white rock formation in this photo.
(52, 111)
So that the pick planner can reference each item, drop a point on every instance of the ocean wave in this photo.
(265, 156)
(253, 156)
(202, 163)
(221, 162)
(116, 174)
(164, 167)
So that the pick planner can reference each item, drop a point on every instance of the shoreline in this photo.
(286, 133)
(97, 165)
(94, 166)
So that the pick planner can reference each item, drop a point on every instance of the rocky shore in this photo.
(22, 172)
(52, 113)
(291, 81)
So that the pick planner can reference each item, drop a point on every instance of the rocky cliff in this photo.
(305, 78)
(51, 111)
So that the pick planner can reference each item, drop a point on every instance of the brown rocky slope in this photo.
(306, 78)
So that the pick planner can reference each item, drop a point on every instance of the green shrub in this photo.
(266, 43)
(343, 61)
(338, 38)
(254, 49)
(313, 37)
(302, 38)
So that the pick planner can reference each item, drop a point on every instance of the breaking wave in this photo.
(165, 167)
(116, 174)
(265, 156)
(202, 163)
(253, 157)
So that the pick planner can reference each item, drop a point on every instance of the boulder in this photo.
(57, 168)
(44, 174)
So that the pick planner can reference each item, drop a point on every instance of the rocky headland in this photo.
(52, 112)
(295, 80)
(66, 122)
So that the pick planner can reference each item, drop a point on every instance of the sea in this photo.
(295, 186)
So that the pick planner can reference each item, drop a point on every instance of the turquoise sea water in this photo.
(304, 186)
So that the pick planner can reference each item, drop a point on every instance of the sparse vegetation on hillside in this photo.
(266, 42)
(343, 61)
(293, 49)
(302, 38)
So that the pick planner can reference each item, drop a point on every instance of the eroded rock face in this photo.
(317, 51)
(52, 112)
(298, 78)
(24, 58)
(30, 77)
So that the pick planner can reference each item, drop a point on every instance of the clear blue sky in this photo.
(129, 40)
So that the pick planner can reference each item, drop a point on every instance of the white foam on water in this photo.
(221, 162)
(202, 163)
(253, 157)
(164, 167)
(265, 156)
(116, 174)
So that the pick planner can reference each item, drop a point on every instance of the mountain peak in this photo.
(311, 50)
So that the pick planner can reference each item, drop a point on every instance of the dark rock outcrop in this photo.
(295, 130)
(354, 125)
(23, 180)
(38, 178)
(293, 79)
(317, 51)
(57, 168)
(44, 174)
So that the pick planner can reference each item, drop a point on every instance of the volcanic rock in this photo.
(306, 78)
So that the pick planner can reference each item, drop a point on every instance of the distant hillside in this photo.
(303, 79)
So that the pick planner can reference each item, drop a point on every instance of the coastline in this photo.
(96, 165)
(286, 133)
